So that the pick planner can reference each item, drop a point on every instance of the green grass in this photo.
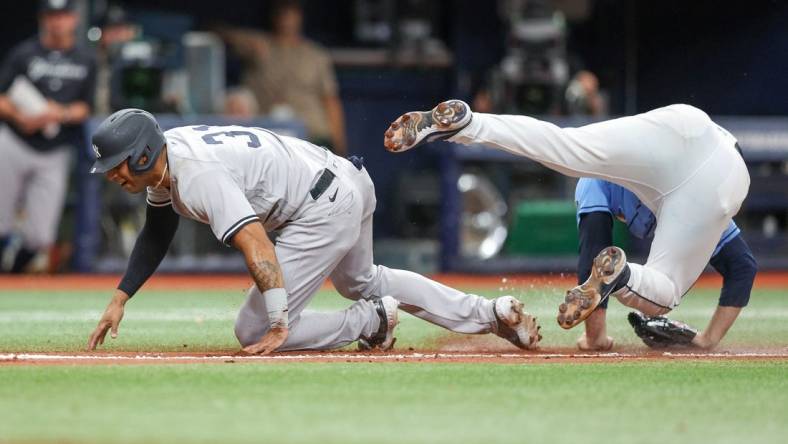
(631, 402)
(203, 321)
(687, 402)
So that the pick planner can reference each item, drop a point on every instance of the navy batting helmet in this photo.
(127, 134)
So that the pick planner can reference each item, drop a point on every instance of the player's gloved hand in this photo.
(272, 340)
(661, 332)
(109, 321)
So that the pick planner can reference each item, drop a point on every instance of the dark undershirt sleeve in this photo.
(151, 247)
(595, 232)
(736, 263)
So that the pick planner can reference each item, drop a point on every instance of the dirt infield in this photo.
(558, 356)
(463, 349)
(241, 282)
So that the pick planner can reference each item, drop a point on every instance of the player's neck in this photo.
(288, 39)
(57, 43)
(162, 179)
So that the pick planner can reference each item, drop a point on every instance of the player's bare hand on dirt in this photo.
(109, 321)
(269, 343)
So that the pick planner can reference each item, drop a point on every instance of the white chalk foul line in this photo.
(367, 357)
(199, 315)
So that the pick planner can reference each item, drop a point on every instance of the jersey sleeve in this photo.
(216, 197)
(592, 195)
(728, 235)
(158, 197)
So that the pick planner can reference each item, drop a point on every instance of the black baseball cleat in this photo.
(384, 339)
(515, 325)
(419, 127)
(609, 273)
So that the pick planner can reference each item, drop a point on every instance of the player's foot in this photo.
(418, 127)
(516, 325)
(384, 338)
(609, 273)
(602, 344)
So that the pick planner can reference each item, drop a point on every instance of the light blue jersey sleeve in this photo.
(592, 195)
(728, 235)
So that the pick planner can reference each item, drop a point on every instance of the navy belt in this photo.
(322, 184)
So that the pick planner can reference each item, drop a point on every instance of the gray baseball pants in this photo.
(334, 239)
(34, 190)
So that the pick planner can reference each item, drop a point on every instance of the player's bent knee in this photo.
(357, 287)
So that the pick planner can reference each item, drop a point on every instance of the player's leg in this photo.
(309, 330)
(307, 251)
(639, 152)
(357, 277)
(43, 204)
(13, 170)
(595, 234)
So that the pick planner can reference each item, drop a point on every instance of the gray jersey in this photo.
(229, 176)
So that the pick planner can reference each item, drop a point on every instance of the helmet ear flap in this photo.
(137, 165)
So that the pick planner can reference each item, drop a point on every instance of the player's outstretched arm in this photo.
(721, 321)
(149, 250)
(260, 256)
(736, 263)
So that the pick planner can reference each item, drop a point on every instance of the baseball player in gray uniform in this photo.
(244, 182)
(37, 147)
(682, 166)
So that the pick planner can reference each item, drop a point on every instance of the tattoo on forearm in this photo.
(266, 274)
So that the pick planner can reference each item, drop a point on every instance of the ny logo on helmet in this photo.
(95, 150)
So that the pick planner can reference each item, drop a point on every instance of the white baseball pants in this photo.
(680, 164)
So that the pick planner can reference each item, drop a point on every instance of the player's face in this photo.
(288, 22)
(122, 176)
(59, 24)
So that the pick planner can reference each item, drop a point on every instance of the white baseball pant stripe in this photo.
(33, 185)
(682, 166)
(334, 239)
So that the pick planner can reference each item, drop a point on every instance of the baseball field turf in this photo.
(170, 377)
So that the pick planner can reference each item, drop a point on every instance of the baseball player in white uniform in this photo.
(244, 182)
(680, 164)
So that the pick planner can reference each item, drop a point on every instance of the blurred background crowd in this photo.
(336, 72)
